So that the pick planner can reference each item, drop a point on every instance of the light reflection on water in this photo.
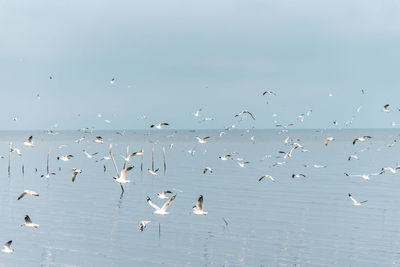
(292, 222)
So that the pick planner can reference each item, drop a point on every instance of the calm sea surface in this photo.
(291, 222)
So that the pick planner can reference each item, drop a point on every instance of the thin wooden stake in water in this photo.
(165, 162)
(23, 170)
(159, 231)
(9, 160)
(152, 159)
(115, 166)
(48, 159)
(141, 164)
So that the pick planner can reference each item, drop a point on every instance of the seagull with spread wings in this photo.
(198, 208)
(163, 209)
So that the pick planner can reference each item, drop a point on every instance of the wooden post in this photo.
(165, 162)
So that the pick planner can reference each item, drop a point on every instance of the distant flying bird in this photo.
(75, 171)
(65, 158)
(90, 155)
(329, 139)
(245, 112)
(112, 81)
(361, 139)
(29, 223)
(47, 175)
(122, 178)
(106, 158)
(153, 172)
(298, 175)
(202, 140)
(192, 151)
(16, 150)
(266, 176)
(280, 163)
(197, 113)
(128, 158)
(284, 126)
(386, 108)
(243, 164)
(29, 142)
(143, 225)
(159, 126)
(198, 208)
(269, 93)
(99, 140)
(225, 157)
(163, 209)
(364, 176)
(390, 169)
(352, 157)
(363, 91)
(163, 194)
(7, 247)
(355, 202)
(28, 192)
(207, 169)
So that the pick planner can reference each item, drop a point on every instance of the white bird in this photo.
(79, 140)
(90, 155)
(143, 225)
(243, 164)
(245, 112)
(128, 158)
(28, 192)
(386, 108)
(122, 178)
(266, 176)
(198, 208)
(153, 172)
(279, 163)
(75, 171)
(269, 93)
(99, 140)
(192, 151)
(112, 81)
(29, 142)
(29, 223)
(7, 247)
(392, 170)
(163, 209)
(284, 126)
(298, 175)
(355, 202)
(16, 150)
(225, 157)
(352, 157)
(159, 126)
(197, 113)
(361, 139)
(364, 176)
(202, 140)
(65, 158)
(47, 175)
(207, 169)
(329, 139)
(318, 166)
(106, 158)
(163, 194)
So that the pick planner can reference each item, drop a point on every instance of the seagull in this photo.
(352, 157)
(128, 158)
(79, 140)
(162, 210)
(361, 139)
(364, 176)
(29, 142)
(153, 172)
(163, 194)
(159, 126)
(202, 140)
(112, 81)
(386, 108)
(16, 150)
(247, 112)
(280, 163)
(284, 126)
(75, 171)
(7, 248)
(89, 155)
(48, 175)
(327, 140)
(198, 208)
(225, 157)
(269, 93)
(106, 158)
(318, 166)
(192, 151)
(243, 164)
(99, 140)
(363, 91)
(392, 170)
(298, 175)
(28, 192)
(207, 169)
(29, 223)
(266, 176)
(355, 202)
(65, 158)
(197, 113)
(143, 225)
(122, 178)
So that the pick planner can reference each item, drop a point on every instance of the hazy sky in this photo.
(170, 58)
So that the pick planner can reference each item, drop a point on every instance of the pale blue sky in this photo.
(170, 58)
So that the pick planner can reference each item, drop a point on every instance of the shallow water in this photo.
(293, 222)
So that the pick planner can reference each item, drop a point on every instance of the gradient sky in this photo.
(170, 58)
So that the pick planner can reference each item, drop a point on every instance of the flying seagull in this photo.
(48, 175)
(159, 126)
(90, 156)
(99, 140)
(361, 139)
(202, 140)
(386, 108)
(198, 208)
(75, 171)
(28, 192)
(29, 223)
(143, 225)
(65, 158)
(29, 142)
(364, 176)
(163, 209)
(355, 202)
(298, 175)
(7, 247)
(266, 176)
(163, 194)
(207, 169)
(328, 139)
(122, 178)
(245, 112)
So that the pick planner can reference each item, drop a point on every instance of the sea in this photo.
(305, 221)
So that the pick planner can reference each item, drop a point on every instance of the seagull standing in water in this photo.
(198, 208)
(163, 209)
(7, 247)
(355, 202)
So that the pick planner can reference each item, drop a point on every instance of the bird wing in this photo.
(166, 204)
(74, 173)
(21, 196)
(355, 140)
(248, 112)
(199, 203)
(152, 204)
(262, 177)
(352, 199)
(8, 244)
(29, 140)
(125, 171)
(27, 219)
